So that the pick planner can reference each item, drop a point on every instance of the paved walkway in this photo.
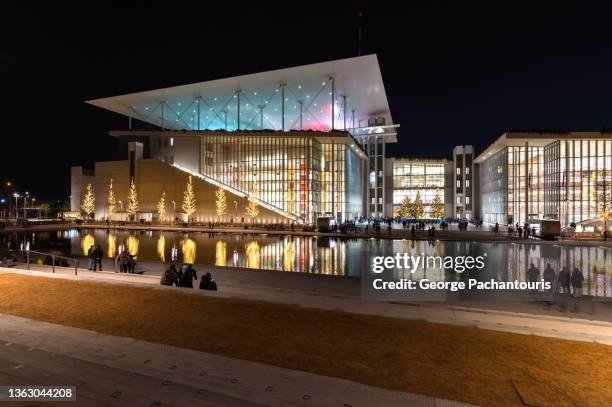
(506, 321)
(115, 371)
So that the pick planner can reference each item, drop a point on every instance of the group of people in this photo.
(565, 282)
(185, 276)
(525, 231)
(95, 257)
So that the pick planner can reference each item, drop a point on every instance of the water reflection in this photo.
(161, 248)
(132, 245)
(220, 253)
(252, 255)
(86, 242)
(188, 248)
(112, 246)
(344, 257)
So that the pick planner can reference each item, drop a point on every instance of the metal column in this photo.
(333, 97)
(344, 111)
(162, 114)
(238, 110)
(282, 107)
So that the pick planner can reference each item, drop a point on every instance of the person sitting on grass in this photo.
(208, 283)
(170, 276)
(189, 274)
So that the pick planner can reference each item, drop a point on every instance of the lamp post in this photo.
(121, 206)
(16, 196)
(2, 201)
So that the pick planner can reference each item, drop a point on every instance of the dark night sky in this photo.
(453, 74)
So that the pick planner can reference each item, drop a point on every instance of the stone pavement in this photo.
(506, 321)
(115, 371)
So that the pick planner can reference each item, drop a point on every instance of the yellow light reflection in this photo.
(132, 245)
(220, 254)
(161, 248)
(252, 255)
(188, 247)
(112, 246)
(86, 242)
(288, 255)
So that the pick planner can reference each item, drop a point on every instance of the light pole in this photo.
(25, 204)
(16, 196)
(2, 201)
(121, 206)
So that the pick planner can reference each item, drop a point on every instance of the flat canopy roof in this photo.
(540, 139)
(258, 97)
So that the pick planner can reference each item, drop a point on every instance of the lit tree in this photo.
(221, 203)
(417, 206)
(252, 208)
(161, 207)
(88, 203)
(132, 204)
(437, 207)
(110, 200)
(603, 195)
(189, 200)
(405, 209)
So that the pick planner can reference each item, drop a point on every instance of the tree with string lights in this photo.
(161, 207)
(111, 202)
(437, 207)
(221, 202)
(189, 200)
(132, 204)
(252, 208)
(418, 210)
(88, 203)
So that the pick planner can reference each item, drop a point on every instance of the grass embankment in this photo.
(459, 363)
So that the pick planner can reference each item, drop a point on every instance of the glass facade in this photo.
(299, 175)
(567, 180)
(424, 176)
(580, 172)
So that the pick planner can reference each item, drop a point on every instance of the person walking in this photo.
(189, 274)
(549, 277)
(97, 255)
(564, 281)
(90, 256)
(208, 283)
(577, 279)
(533, 274)
(170, 276)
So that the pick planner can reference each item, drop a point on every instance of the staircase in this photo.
(240, 193)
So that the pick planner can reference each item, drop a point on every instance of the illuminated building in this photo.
(428, 177)
(301, 142)
(529, 176)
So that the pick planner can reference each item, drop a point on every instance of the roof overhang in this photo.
(537, 139)
(359, 94)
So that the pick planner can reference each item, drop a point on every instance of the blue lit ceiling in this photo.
(359, 94)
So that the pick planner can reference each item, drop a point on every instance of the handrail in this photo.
(53, 257)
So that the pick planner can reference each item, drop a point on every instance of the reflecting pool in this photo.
(323, 255)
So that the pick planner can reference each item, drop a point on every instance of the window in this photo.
(171, 141)
(467, 170)
(458, 171)
(467, 200)
(467, 183)
(458, 183)
(458, 201)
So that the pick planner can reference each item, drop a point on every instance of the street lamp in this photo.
(16, 196)
(2, 201)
